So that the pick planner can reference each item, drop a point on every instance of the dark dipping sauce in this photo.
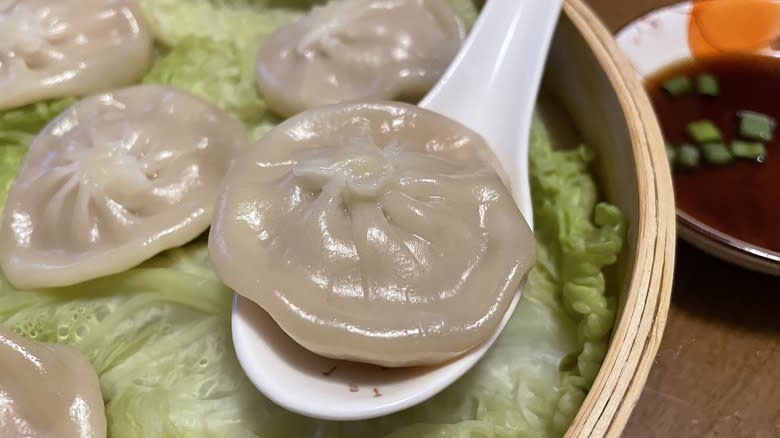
(742, 198)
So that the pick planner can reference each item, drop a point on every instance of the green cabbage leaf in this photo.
(159, 336)
(217, 72)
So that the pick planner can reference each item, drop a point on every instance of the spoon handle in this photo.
(492, 84)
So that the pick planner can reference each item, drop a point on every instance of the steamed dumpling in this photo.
(112, 181)
(373, 232)
(57, 48)
(358, 49)
(47, 391)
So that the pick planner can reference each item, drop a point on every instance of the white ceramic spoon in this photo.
(490, 87)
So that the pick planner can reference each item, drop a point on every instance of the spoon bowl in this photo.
(490, 87)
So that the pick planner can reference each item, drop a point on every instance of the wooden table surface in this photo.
(717, 373)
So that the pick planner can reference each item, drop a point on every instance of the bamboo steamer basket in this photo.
(598, 89)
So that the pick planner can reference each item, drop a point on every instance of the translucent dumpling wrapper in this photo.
(112, 181)
(47, 391)
(373, 232)
(59, 48)
(352, 50)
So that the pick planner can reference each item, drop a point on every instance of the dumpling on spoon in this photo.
(58, 48)
(358, 49)
(373, 232)
(112, 181)
(47, 391)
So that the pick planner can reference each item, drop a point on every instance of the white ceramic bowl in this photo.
(655, 41)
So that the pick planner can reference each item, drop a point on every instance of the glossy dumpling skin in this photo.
(47, 391)
(58, 48)
(114, 180)
(373, 232)
(358, 49)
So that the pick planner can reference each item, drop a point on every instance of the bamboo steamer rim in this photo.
(639, 329)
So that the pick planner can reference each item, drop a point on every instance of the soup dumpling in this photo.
(373, 232)
(115, 179)
(358, 49)
(47, 391)
(59, 48)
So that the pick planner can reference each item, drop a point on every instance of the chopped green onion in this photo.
(752, 150)
(704, 131)
(707, 85)
(678, 85)
(716, 153)
(688, 155)
(671, 153)
(756, 126)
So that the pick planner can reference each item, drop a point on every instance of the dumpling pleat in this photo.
(376, 251)
(53, 210)
(85, 229)
(425, 220)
